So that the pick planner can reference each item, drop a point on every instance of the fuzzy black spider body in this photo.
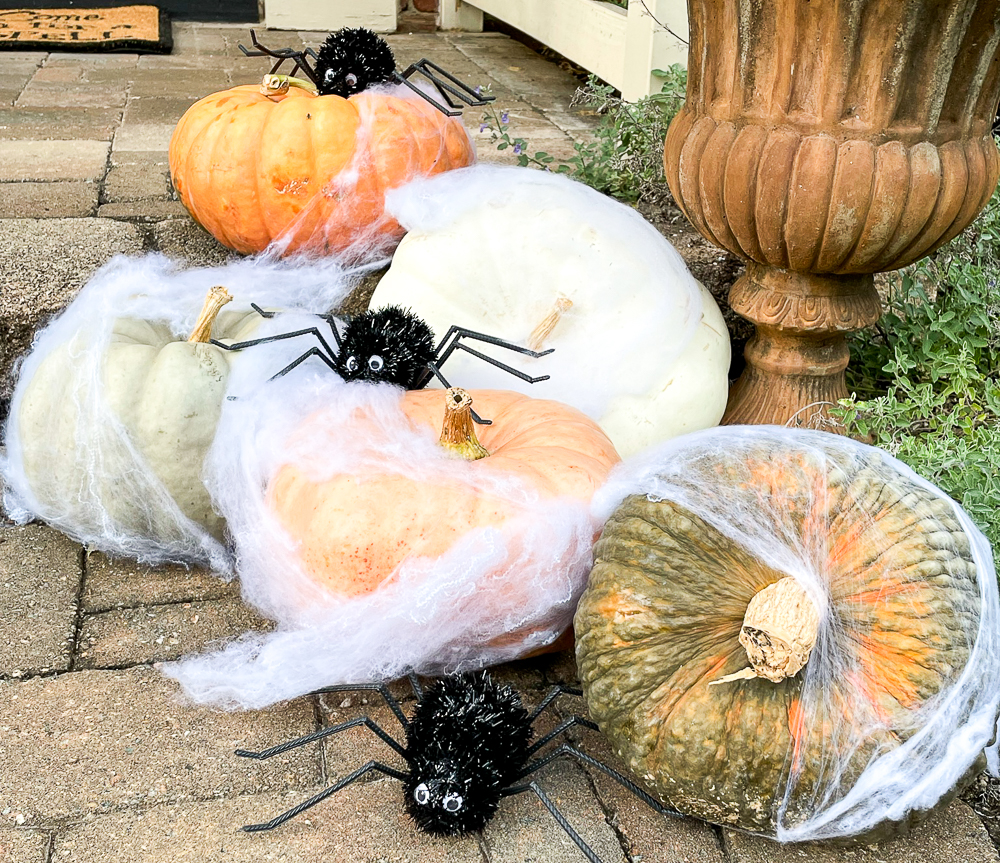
(468, 745)
(467, 740)
(352, 60)
(390, 345)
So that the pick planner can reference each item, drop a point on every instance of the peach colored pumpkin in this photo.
(353, 531)
(309, 170)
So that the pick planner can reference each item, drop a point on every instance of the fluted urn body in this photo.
(822, 142)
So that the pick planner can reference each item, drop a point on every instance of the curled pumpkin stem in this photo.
(544, 329)
(779, 631)
(216, 299)
(458, 434)
(278, 85)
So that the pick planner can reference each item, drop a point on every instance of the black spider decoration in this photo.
(354, 59)
(468, 745)
(390, 345)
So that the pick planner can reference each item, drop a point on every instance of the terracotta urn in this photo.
(823, 142)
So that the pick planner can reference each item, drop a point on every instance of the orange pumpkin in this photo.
(353, 531)
(309, 170)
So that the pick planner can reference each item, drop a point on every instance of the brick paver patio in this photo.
(101, 759)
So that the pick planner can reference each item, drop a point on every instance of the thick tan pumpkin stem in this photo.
(778, 633)
(277, 85)
(458, 434)
(216, 299)
(540, 333)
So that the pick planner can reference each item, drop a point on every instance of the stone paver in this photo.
(361, 824)
(136, 182)
(40, 574)
(118, 583)
(155, 633)
(954, 835)
(43, 263)
(145, 136)
(524, 829)
(180, 82)
(92, 61)
(59, 95)
(348, 750)
(152, 109)
(194, 40)
(184, 239)
(93, 124)
(147, 210)
(74, 199)
(92, 741)
(648, 835)
(53, 160)
(24, 846)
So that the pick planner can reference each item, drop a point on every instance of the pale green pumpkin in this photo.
(160, 403)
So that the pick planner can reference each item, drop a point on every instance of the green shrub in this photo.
(625, 156)
(926, 379)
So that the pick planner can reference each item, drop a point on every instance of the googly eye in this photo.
(376, 363)
(352, 364)
(350, 79)
(452, 802)
(421, 794)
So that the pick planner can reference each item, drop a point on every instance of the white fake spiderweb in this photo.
(899, 697)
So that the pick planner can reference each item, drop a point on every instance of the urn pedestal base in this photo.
(796, 361)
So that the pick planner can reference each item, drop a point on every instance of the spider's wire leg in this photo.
(281, 55)
(563, 727)
(444, 381)
(446, 84)
(312, 352)
(326, 792)
(588, 852)
(331, 321)
(553, 693)
(624, 781)
(503, 366)
(239, 346)
(380, 688)
(319, 735)
(462, 332)
(418, 690)
(452, 111)
(257, 308)
(466, 93)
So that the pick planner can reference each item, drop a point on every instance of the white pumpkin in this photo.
(92, 425)
(541, 260)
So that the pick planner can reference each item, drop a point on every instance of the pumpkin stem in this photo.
(277, 85)
(778, 633)
(458, 434)
(216, 299)
(540, 333)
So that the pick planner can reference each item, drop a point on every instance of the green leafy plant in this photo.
(625, 157)
(926, 380)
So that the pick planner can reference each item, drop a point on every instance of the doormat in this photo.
(138, 29)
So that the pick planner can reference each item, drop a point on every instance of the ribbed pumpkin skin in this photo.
(352, 531)
(312, 170)
(661, 616)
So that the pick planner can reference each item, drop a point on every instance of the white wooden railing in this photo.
(620, 47)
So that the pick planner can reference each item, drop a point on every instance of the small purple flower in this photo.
(504, 117)
(517, 149)
(479, 91)
(482, 128)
